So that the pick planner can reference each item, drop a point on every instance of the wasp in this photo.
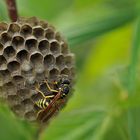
(48, 103)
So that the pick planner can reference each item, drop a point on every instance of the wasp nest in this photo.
(31, 50)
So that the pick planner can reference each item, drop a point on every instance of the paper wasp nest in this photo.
(30, 51)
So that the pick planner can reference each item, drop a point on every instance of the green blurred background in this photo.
(105, 37)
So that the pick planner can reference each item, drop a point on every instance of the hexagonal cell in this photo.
(44, 46)
(3, 95)
(38, 32)
(40, 76)
(3, 27)
(31, 116)
(27, 104)
(54, 73)
(3, 63)
(69, 60)
(66, 71)
(22, 55)
(9, 52)
(36, 58)
(58, 36)
(14, 28)
(24, 93)
(55, 47)
(5, 76)
(43, 24)
(37, 61)
(19, 81)
(26, 30)
(30, 81)
(1, 48)
(10, 88)
(13, 99)
(18, 42)
(49, 61)
(13, 66)
(49, 33)
(64, 48)
(33, 21)
(60, 61)
(5, 38)
(18, 109)
(26, 67)
(31, 44)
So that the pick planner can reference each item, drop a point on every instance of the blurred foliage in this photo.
(104, 35)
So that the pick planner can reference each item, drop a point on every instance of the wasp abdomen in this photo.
(42, 103)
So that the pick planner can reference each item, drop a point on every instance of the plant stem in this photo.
(12, 9)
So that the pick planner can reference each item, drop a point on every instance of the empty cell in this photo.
(5, 76)
(33, 21)
(22, 55)
(27, 104)
(58, 36)
(54, 73)
(18, 42)
(69, 60)
(31, 115)
(24, 93)
(26, 30)
(31, 44)
(13, 100)
(14, 28)
(64, 48)
(60, 61)
(18, 109)
(5, 37)
(19, 81)
(43, 24)
(49, 60)
(37, 61)
(55, 47)
(43, 46)
(3, 63)
(3, 26)
(3, 94)
(10, 88)
(66, 71)
(40, 76)
(38, 32)
(49, 33)
(36, 58)
(1, 48)
(13, 66)
(9, 52)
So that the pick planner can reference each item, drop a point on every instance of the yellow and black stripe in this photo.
(42, 103)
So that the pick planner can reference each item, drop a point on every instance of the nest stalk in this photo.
(12, 9)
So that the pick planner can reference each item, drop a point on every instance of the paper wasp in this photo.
(48, 104)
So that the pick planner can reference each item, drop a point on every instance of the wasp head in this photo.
(64, 86)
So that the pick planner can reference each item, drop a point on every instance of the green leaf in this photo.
(82, 123)
(11, 128)
(132, 80)
(86, 32)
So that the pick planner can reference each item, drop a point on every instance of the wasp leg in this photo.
(38, 113)
(52, 90)
(46, 97)
(38, 90)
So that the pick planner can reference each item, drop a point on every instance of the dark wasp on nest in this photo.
(48, 104)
